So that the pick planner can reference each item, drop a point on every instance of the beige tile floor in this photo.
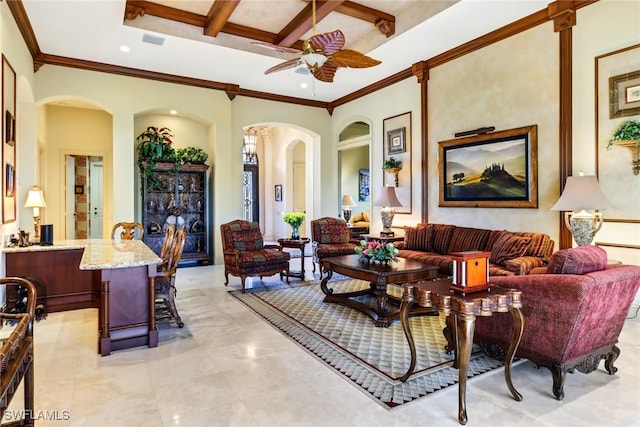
(229, 368)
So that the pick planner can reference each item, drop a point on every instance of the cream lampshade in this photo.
(347, 204)
(583, 197)
(388, 200)
(35, 200)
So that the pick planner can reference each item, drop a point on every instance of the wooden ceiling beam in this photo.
(218, 16)
(303, 22)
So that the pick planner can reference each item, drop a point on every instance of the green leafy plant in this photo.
(627, 131)
(392, 163)
(190, 155)
(294, 219)
(154, 145)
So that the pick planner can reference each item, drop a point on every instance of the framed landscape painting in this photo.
(495, 170)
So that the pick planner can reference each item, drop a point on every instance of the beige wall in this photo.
(510, 84)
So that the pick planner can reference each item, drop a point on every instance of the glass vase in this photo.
(295, 233)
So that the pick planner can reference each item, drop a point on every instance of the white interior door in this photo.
(95, 199)
(70, 198)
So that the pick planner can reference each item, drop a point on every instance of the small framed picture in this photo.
(624, 95)
(395, 141)
(10, 129)
(79, 189)
(10, 180)
(278, 192)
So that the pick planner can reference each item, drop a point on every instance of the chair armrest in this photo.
(231, 256)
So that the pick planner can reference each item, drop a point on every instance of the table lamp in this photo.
(583, 197)
(35, 200)
(347, 204)
(388, 200)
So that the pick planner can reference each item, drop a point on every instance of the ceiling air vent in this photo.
(150, 38)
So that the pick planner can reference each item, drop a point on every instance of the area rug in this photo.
(372, 358)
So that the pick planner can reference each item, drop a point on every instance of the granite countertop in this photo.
(101, 253)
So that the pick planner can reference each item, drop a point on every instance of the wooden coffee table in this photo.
(378, 276)
(464, 309)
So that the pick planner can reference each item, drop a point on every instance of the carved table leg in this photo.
(323, 283)
(405, 307)
(105, 338)
(518, 327)
(465, 324)
(381, 302)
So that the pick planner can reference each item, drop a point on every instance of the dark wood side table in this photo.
(295, 244)
(357, 232)
(464, 309)
(384, 239)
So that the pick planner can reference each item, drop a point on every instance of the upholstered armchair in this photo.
(246, 254)
(330, 237)
(574, 313)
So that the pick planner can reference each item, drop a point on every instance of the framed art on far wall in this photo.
(8, 143)
(492, 170)
(396, 133)
(278, 192)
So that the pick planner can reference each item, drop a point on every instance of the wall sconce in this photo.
(388, 200)
(250, 143)
(347, 204)
(35, 200)
(635, 153)
(583, 197)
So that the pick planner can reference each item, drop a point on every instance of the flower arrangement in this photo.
(392, 163)
(375, 251)
(294, 219)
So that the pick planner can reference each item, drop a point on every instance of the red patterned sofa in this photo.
(573, 314)
(245, 253)
(330, 237)
(512, 253)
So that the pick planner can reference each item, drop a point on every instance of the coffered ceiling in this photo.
(215, 40)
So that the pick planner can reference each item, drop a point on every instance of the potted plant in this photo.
(155, 145)
(192, 155)
(627, 131)
(392, 166)
(294, 219)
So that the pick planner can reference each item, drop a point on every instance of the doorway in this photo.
(353, 166)
(84, 197)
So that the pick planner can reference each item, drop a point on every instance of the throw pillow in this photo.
(417, 238)
(580, 260)
(508, 246)
(365, 216)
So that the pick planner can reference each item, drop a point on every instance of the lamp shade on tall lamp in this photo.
(582, 201)
(388, 200)
(35, 200)
(347, 204)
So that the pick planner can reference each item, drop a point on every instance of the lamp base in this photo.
(347, 214)
(584, 227)
(36, 226)
(387, 233)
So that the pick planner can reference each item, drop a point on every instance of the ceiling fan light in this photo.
(314, 60)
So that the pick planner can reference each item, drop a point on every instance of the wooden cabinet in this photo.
(177, 197)
(68, 287)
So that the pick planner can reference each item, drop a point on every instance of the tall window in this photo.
(250, 194)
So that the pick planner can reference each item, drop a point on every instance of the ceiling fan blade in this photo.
(292, 63)
(277, 48)
(328, 43)
(351, 58)
(326, 72)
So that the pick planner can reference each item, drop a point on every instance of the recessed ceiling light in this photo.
(173, 112)
(124, 48)
(304, 85)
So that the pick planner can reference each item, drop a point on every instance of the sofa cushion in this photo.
(418, 238)
(468, 239)
(541, 244)
(441, 237)
(580, 260)
(508, 246)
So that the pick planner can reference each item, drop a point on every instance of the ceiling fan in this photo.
(322, 54)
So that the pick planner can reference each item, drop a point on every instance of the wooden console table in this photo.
(464, 309)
